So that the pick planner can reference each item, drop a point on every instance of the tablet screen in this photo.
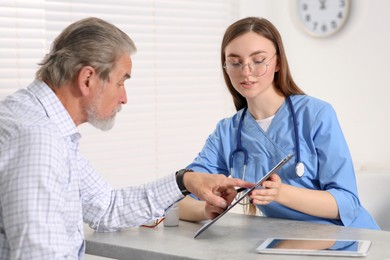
(264, 178)
(300, 246)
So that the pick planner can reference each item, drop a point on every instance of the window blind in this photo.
(22, 42)
(176, 94)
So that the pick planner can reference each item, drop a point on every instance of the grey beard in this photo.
(103, 124)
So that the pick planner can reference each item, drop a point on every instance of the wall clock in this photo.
(322, 18)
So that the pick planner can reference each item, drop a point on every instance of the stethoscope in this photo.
(299, 166)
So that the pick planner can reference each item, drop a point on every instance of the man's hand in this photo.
(216, 189)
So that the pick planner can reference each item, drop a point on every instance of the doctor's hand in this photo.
(269, 192)
(216, 189)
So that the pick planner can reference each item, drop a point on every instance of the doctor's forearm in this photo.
(313, 202)
(191, 209)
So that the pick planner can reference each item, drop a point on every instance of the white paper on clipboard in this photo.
(264, 178)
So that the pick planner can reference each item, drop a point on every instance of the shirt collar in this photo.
(54, 109)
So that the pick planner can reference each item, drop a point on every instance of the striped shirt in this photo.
(47, 189)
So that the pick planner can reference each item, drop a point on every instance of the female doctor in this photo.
(275, 118)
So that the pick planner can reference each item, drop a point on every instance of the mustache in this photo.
(118, 109)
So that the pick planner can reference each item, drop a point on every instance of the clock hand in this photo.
(322, 2)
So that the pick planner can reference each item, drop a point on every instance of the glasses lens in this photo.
(257, 69)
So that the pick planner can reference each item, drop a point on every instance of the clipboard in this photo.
(264, 178)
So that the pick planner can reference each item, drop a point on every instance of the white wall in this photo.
(350, 70)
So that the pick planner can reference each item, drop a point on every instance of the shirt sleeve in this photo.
(31, 191)
(335, 168)
(211, 159)
(108, 209)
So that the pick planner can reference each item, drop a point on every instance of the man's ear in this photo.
(85, 80)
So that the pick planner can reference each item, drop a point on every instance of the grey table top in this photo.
(234, 236)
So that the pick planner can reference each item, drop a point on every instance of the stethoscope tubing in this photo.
(239, 147)
(299, 166)
(294, 118)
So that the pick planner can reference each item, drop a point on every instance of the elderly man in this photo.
(47, 189)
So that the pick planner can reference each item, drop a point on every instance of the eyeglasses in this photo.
(257, 68)
(153, 224)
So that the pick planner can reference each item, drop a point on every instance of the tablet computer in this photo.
(246, 193)
(305, 246)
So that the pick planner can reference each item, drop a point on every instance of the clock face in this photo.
(322, 18)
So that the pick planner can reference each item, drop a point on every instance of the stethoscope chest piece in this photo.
(300, 169)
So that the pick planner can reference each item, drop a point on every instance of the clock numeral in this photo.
(323, 18)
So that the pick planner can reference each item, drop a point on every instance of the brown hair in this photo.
(283, 79)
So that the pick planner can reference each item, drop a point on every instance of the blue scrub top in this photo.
(324, 151)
